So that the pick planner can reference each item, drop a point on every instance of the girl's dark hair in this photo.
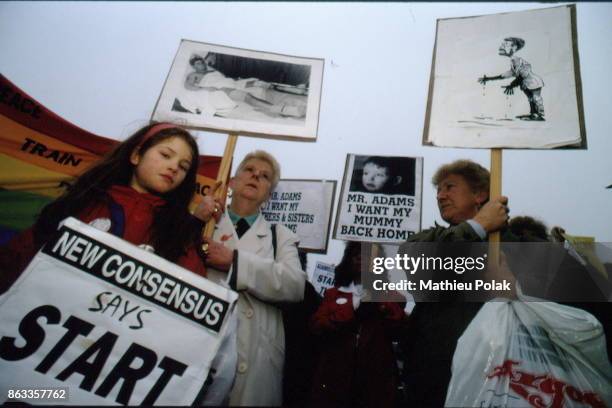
(173, 227)
(519, 42)
(344, 270)
(195, 58)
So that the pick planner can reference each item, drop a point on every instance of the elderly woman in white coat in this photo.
(241, 255)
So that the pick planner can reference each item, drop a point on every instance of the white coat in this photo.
(260, 280)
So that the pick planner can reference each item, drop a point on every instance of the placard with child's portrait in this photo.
(380, 199)
(242, 91)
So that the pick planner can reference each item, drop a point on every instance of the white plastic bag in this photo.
(531, 354)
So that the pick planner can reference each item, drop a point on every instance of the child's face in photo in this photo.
(506, 48)
(162, 168)
(374, 177)
(200, 65)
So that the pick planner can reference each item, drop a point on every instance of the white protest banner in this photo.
(380, 199)
(323, 277)
(498, 81)
(305, 207)
(109, 323)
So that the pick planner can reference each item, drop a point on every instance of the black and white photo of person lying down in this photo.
(217, 87)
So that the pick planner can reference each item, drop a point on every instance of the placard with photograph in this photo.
(305, 207)
(235, 90)
(506, 80)
(380, 199)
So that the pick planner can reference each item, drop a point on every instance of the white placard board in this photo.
(323, 277)
(506, 80)
(236, 90)
(380, 199)
(305, 207)
(110, 322)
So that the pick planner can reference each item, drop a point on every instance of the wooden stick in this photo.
(223, 176)
(495, 191)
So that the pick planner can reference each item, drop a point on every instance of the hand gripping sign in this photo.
(110, 323)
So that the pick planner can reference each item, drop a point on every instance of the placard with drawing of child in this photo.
(507, 80)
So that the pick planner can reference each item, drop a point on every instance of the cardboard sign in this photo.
(305, 207)
(109, 322)
(323, 277)
(506, 80)
(380, 199)
(237, 90)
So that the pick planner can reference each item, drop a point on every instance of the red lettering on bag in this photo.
(527, 385)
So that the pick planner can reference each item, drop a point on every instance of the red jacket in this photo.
(138, 210)
(357, 366)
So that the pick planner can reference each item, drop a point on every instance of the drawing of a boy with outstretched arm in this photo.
(530, 83)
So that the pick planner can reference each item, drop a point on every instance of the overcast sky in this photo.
(102, 65)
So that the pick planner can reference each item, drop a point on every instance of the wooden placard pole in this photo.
(222, 176)
(495, 190)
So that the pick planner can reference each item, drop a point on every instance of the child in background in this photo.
(357, 365)
(139, 192)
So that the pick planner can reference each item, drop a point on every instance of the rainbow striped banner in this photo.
(41, 153)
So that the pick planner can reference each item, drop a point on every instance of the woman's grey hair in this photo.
(474, 174)
(268, 158)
